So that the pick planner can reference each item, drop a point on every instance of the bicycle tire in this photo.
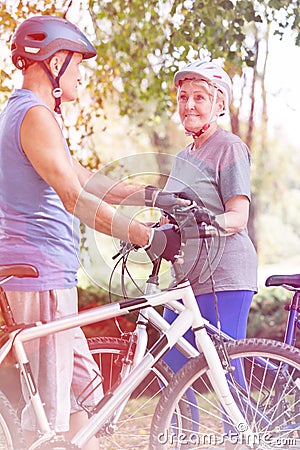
(133, 427)
(11, 437)
(269, 401)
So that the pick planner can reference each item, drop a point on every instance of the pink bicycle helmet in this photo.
(40, 37)
(210, 72)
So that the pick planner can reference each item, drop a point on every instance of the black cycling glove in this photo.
(160, 199)
(204, 215)
(165, 243)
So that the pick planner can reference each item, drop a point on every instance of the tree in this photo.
(141, 43)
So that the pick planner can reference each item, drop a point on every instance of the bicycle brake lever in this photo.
(116, 255)
(125, 248)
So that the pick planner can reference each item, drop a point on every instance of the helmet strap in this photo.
(57, 91)
(206, 126)
(196, 134)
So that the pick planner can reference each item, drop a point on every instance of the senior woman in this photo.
(215, 170)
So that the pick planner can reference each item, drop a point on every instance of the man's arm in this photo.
(113, 192)
(42, 142)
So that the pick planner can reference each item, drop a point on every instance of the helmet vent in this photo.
(36, 37)
(32, 50)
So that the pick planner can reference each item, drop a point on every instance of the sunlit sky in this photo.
(283, 87)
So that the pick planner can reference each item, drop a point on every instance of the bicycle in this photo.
(120, 349)
(251, 418)
(110, 348)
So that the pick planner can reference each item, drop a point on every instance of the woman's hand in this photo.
(163, 220)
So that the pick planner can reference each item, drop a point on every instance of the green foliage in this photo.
(141, 44)
(91, 297)
(268, 316)
(276, 183)
(291, 18)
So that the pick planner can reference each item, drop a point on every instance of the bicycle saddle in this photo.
(19, 271)
(279, 280)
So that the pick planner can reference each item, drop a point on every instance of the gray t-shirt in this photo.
(212, 174)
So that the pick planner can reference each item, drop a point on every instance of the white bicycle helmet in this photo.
(210, 72)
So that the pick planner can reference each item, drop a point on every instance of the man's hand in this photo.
(165, 243)
(163, 200)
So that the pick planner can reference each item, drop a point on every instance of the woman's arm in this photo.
(236, 215)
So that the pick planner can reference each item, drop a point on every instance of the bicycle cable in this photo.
(124, 255)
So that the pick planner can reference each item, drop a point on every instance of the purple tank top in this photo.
(35, 228)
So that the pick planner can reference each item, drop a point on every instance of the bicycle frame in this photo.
(189, 316)
(293, 320)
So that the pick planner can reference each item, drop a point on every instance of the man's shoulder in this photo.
(23, 100)
(25, 95)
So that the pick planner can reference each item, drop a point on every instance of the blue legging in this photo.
(233, 309)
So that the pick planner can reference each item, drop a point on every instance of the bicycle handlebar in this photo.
(193, 221)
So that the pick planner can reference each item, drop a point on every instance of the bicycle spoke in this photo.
(266, 392)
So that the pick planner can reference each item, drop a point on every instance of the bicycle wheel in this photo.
(10, 429)
(267, 394)
(133, 426)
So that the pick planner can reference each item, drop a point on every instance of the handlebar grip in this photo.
(203, 231)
